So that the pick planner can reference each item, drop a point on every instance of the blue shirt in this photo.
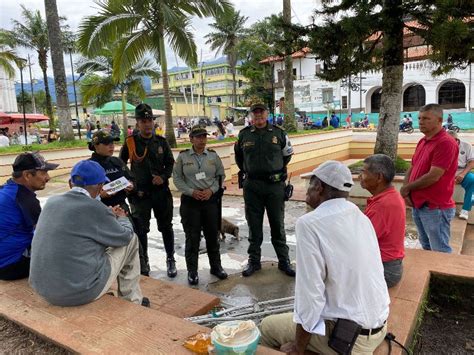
(19, 212)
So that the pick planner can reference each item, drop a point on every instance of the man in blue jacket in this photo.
(19, 212)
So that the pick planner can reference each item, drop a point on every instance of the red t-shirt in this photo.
(440, 151)
(387, 213)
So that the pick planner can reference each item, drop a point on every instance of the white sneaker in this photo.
(464, 214)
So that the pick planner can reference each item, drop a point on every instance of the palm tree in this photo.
(62, 99)
(142, 26)
(99, 91)
(32, 33)
(8, 57)
(289, 108)
(229, 30)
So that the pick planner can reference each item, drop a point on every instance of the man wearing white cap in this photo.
(341, 298)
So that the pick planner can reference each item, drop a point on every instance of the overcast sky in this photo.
(76, 10)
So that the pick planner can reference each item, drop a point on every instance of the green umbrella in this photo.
(113, 107)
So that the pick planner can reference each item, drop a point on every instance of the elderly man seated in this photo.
(340, 293)
(81, 246)
(387, 212)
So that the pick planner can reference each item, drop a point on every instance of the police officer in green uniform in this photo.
(198, 173)
(262, 153)
(152, 165)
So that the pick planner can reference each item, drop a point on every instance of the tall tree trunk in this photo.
(124, 114)
(392, 80)
(232, 59)
(289, 110)
(166, 93)
(43, 63)
(62, 99)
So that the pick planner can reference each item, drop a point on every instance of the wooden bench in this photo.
(110, 324)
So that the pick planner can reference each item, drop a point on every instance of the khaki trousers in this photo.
(125, 268)
(280, 329)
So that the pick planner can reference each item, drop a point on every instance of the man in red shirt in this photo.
(386, 210)
(429, 183)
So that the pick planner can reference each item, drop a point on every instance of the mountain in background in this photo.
(38, 85)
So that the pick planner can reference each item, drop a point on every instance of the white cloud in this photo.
(76, 10)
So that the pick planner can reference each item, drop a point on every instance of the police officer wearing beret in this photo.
(197, 174)
(152, 165)
(262, 153)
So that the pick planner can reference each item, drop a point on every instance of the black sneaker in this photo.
(219, 272)
(193, 278)
(171, 266)
(145, 302)
(250, 268)
(287, 269)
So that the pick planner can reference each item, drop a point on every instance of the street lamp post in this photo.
(31, 86)
(75, 96)
(21, 65)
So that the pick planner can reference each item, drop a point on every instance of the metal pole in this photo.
(75, 96)
(349, 89)
(23, 101)
(360, 91)
(31, 86)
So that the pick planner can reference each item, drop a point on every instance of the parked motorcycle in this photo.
(407, 128)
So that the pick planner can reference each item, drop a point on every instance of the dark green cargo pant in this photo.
(260, 196)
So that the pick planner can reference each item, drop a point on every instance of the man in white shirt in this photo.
(4, 141)
(340, 273)
(463, 173)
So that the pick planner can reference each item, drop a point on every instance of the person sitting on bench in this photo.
(20, 210)
(81, 246)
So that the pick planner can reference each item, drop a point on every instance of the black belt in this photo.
(371, 331)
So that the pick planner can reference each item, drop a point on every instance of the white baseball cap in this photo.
(334, 174)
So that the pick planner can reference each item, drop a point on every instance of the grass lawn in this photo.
(83, 143)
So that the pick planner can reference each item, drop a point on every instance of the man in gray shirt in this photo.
(81, 246)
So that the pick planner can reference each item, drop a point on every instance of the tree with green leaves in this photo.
(356, 36)
(32, 33)
(8, 57)
(99, 89)
(140, 26)
(228, 31)
(56, 44)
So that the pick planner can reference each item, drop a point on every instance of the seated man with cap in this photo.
(19, 214)
(82, 246)
(340, 286)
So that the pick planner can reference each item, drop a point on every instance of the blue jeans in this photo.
(468, 186)
(433, 227)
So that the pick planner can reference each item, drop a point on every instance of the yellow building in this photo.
(209, 84)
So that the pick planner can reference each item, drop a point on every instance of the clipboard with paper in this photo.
(117, 185)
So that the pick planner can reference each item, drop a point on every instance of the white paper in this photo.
(117, 185)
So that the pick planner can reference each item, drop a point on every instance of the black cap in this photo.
(144, 112)
(32, 161)
(198, 131)
(102, 137)
(258, 107)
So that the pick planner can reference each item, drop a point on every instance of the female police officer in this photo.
(102, 145)
(197, 173)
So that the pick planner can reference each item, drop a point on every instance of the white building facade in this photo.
(453, 91)
(7, 93)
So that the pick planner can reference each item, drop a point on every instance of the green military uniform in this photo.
(263, 154)
(151, 157)
(191, 172)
